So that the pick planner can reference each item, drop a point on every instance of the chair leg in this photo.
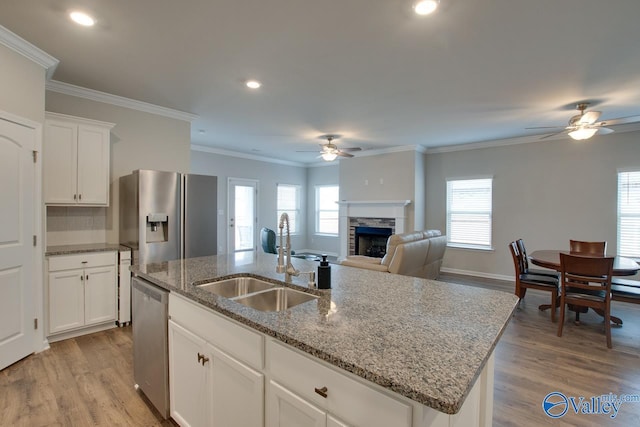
(561, 321)
(554, 302)
(607, 326)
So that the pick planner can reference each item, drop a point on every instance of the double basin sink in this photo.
(258, 294)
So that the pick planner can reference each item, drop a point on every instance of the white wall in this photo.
(389, 176)
(544, 192)
(320, 175)
(21, 86)
(139, 140)
(268, 176)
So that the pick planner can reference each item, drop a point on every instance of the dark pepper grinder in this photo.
(324, 274)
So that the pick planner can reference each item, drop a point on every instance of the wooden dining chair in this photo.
(526, 281)
(525, 263)
(588, 248)
(586, 282)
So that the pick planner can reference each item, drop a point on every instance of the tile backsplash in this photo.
(76, 225)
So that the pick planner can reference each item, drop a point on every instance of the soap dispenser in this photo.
(324, 274)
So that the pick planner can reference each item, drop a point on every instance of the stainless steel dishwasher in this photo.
(150, 342)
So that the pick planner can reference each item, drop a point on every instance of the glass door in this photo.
(243, 215)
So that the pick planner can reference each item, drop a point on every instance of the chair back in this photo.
(523, 254)
(584, 273)
(518, 263)
(588, 248)
(268, 240)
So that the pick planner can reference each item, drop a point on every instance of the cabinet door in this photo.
(93, 165)
(100, 294)
(237, 392)
(60, 166)
(66, 300)
(287, 409)
(189, 378)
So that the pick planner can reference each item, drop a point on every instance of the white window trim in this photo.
(487, 247)
(619, 195)
(317, 211)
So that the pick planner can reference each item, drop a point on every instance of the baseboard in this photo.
(476, 274)
(84, 331)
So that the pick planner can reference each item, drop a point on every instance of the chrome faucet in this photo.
(288, 269)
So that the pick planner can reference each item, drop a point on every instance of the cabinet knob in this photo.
(322, 391)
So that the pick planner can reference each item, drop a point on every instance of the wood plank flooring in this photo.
(89, 380)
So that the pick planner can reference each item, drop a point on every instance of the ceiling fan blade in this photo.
(604, 131)
(343, 154)
(620, 121)
(546, 127)
(589, 117)
(351, 149)
(553, 134)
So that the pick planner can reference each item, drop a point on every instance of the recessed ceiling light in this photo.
(253, 84)
(425, 7)
(82, 18)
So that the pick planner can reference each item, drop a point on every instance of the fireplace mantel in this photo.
(396, 209)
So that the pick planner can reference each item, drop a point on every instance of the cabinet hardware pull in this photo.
(82, 277)
(202, 359)
(75, 197)
(79, 196)
(84, 262)
(322, 391)
(87, 277)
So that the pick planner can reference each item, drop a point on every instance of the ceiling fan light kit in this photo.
(329, 156)
(583, 133)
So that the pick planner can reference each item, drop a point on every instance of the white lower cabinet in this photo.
(222, 373)
(82, 291)
(209, 387)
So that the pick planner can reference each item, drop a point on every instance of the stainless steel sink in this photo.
(237, 286)
(276, 299)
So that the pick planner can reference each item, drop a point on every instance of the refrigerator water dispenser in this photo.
(157, 228)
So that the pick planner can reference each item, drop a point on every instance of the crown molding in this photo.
(389, 150)
(120, 101)
(29, 51)
(204, 149)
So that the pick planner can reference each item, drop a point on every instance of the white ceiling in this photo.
(370, 70)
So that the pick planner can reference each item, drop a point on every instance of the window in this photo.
(469, 213)
(327, 209)
(288, 200)
(629, 214)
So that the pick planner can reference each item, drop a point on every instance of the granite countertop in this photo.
(79, 249)
(423, 339)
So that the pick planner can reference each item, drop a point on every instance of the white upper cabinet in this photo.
(76, 161)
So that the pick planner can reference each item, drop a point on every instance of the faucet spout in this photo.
(288, 269)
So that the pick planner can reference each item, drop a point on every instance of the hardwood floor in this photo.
(89, 380)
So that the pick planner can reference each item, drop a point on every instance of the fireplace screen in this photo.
(371, 241)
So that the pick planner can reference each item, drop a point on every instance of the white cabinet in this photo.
(76, 161)
(209, 387)
(81, 291)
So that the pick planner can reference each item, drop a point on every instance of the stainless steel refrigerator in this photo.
(168, 215)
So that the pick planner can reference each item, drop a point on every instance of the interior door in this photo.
(17, 171)
(242, 197)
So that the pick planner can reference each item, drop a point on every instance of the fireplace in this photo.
(390, 214)
(371, 241)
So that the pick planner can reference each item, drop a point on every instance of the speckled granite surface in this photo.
(78, 249)
(423, 339)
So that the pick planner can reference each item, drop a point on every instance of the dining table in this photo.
(550, 258)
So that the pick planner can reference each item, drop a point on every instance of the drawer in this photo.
(347, 398)
(239, 341)
(84, 260)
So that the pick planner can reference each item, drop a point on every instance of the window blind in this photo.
(629, 214)
(469, 212)
(288, 200)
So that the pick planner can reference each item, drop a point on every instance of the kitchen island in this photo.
(422, 341)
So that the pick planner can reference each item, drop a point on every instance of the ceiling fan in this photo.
(330, 151)
(585, 125)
